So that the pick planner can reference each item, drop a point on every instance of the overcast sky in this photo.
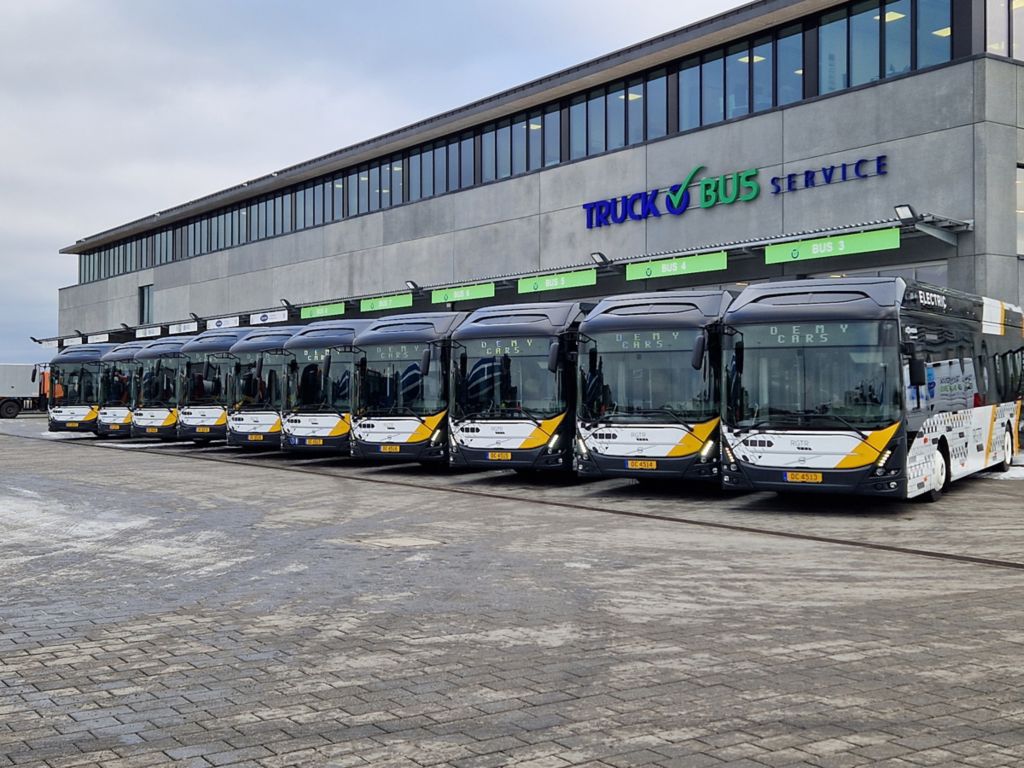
(110, 111)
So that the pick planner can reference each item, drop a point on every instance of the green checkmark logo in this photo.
(676, 192)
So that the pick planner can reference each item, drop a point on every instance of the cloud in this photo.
(111, 111)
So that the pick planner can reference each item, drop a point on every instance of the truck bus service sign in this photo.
(725, 189)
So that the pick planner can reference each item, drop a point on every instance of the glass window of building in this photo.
(832, 70)
(286, 211)
(617, 116)
(453, 165)
(1017, 28)
(865, 26)
(712, 74)
(504, 150)
(997, 30)
(318, 205)
(339, 198)
(657, 104)
(364, 190)
(412, 162)
(635, 111)
(427, 175)
(896, 21)
(935, 32)
(595, 123)
(789, 66)
(552, 137)
(535, 139)
(466, 166)
(487, 157)
(689, 95)
(278, 218)
(351, 192)
(737, 81)
(440, 170)
(762, 64)
(397, 179)
(1020, 210)
(145, 304)
(519, 145)
(578, 128)
(385, 185)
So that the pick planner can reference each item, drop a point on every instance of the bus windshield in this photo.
(117, 383)
(633, 377)
(813, 375)
(311, 391)
(507, 378)
(75, 384)
(261, 380)
(391, 383)
(207, 379)
(159, 383)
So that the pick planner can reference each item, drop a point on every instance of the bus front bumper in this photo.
(202, 432)
(740, 476)
(313, 444)
(72, 426)
(522, 458)
(156, 433)
(113, 430)
(264, 440)
(672, 468)
(422, 451)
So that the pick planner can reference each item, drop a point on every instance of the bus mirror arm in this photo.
(697, 359)
(553, 351)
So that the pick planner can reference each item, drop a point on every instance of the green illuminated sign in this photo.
(376, 304)
(462, 293)
(844, 245)
(576, 279)
(683, 265)
(323, 310)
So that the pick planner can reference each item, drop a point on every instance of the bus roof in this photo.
(122, 352)
(860, 298)
(541, 319)
(265, 339)
(421, 328)
(662, 309)
(82, 353)
(327, 334)
(216, 340)
(162, 348)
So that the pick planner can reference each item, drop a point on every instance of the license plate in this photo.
(72, 425)
(152, 430)
(255, 438)
(202, 429)
(803, 477)
(114, 427)
(314, 441)
(390, 448)
(641, 464)
(499, 456)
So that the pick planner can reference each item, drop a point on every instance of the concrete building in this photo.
(694, 154)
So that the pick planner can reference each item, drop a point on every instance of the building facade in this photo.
(771, 141)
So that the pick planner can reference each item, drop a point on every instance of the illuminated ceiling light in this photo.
(944, 32)
(1017, 5)
(891, 16)
(396, 166)
(364, 178)
(798, 72)
(535, 126)
(631, 96)
(746, 59)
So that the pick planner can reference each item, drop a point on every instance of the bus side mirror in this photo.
(259, 367)
(553, 357)
(34, 372)
(592, 360)
(697, 359)
(918, 372)
(327, 366)
(463, 363)
(739, 356)
(425, 362)
(207, 369)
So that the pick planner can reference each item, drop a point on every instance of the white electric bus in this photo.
(260, 387)
(207, 391)
(318, 413)
(160, 368)
(649, 402)
(117, 390)
(402, 385)
(514, 397)
(868, 386)
(74, 402)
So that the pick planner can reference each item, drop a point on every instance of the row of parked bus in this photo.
(868, 386)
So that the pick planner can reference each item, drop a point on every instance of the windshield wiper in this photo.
(837, 417)
(669, 411)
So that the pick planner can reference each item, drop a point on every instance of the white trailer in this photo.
(20, 389)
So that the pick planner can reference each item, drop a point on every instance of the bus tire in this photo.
(9, 409)
(940, 474)
(1007, 462)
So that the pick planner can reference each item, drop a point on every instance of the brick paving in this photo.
(158, 610)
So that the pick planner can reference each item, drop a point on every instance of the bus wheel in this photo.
(940, 476)
(1007, 462)
(10, 409)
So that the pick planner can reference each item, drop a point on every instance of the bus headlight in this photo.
(728, 452)
(435, 439)
(553, 442)
(581, 449)
(707, 450)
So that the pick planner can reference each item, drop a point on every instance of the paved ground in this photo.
(156, 609)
